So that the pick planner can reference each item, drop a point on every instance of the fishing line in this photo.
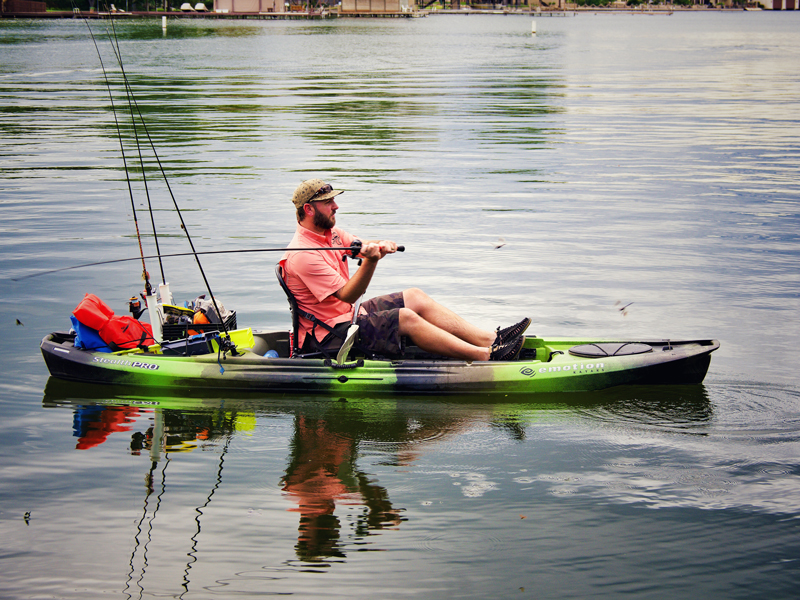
(145, 275)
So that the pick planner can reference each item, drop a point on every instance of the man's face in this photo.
(324, 213)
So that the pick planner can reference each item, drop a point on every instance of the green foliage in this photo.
(593, 2)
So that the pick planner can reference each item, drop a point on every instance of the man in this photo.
(321, 284)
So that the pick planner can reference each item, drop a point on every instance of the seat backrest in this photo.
(323, 348)
(292, 307)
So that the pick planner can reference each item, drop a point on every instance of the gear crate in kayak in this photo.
(179, 331)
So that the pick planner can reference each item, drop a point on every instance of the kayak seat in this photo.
(313, 348)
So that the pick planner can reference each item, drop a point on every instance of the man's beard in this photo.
(322, 221)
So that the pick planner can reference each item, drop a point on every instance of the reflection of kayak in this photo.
(552, 365)
(414, 418)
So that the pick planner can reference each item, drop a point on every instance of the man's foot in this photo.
(509, 351)
(509, 334)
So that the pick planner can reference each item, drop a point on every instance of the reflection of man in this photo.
(322, 473)
(321, 283)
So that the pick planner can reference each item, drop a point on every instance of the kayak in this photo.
(267, 361)
(262, 363)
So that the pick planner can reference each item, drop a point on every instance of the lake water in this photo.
(652, 160)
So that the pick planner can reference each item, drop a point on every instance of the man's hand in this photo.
(371, 251)
(377, 250)
(387, 247)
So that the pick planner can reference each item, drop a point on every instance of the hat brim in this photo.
(327, 196)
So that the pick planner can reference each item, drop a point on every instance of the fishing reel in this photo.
(135, 306)
(355, 249)
(226, 345)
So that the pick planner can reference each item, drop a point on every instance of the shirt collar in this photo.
(323, 240)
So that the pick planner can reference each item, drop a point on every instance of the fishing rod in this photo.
(145, 276)
(352, 250)
(131, 101)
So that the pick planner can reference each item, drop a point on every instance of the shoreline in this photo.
(326, 14)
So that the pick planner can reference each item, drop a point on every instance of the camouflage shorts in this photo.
(379, 329)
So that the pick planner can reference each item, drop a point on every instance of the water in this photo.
(621, 158)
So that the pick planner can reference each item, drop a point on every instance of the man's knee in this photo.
(415, 298)
(409, 321)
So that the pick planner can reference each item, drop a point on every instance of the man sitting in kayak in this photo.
(321, 284)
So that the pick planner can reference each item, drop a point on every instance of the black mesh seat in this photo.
(313, 348)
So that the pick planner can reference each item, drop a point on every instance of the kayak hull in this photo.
(547, 366)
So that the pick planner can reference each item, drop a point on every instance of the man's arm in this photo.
(371, 252)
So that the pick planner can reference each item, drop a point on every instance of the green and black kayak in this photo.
(262, 364)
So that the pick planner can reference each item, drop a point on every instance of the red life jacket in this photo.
(123, 331)
(118, 331)
(93, 312)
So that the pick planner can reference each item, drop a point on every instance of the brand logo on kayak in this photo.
(126, 363)
(575, 368)
(527, 371)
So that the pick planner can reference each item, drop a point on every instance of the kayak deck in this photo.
(545, 365)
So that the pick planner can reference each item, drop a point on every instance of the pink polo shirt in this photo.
(313, 277)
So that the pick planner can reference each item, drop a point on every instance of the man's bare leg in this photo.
(435, 340)
(445, 319)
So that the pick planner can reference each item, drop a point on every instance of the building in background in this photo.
(249, 6)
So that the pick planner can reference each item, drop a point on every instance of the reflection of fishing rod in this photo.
(156, 439)
(353, 250)
(159, 445)
(192, 554)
